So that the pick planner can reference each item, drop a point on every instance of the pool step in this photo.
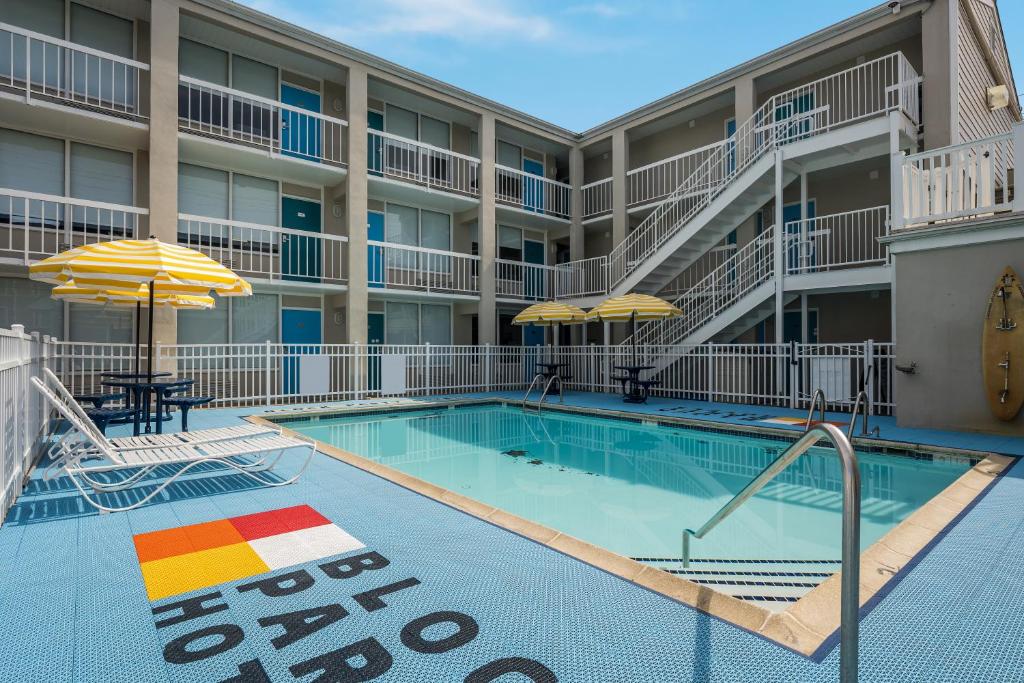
(772, 584)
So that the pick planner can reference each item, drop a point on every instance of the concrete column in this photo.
(620, 191)
(576, 227)
(780, 263)
(938, 57)
(745, 93)
(802, 252)
(487, 225)
(355, 207)
(162, 188)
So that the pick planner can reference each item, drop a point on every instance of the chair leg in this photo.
(184, 417)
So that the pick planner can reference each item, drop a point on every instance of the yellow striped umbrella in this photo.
(550, 313)
(633, 307)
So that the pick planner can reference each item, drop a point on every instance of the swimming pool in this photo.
(633, 487)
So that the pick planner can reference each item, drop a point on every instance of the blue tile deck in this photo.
(74, 607)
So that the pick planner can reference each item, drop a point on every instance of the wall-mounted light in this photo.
(998, 97)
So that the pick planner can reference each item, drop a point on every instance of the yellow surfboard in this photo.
(1002, 347)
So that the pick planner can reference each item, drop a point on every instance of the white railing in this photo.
(281, 129)
(656, 181)
(532, 193)
(960, 181)
(696, 272)
(748, 268)
(837, 241)
(34, 226)
(521, 281)
(269, 252)
(397, 157)
(597, 198)
(22, 414)
(51, 68)
(585, 277)
(397, 266)
(885, 84)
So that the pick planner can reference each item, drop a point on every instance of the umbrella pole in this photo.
(632, 320)
(138, 331)
(149, 366)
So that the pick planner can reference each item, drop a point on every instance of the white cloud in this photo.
(599, 9)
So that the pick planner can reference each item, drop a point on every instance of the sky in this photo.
(577, 63)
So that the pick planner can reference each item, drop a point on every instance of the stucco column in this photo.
(780, 254)
(745, 93)
(162, 189)
(938, 57)
(620, 191)
(487, 226)
(576, 226)
(355, 207)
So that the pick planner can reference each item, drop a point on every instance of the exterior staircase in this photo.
(771, 584)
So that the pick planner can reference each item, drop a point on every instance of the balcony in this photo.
(408, 170)
(538, 201)
(77, 91)
(648, 185)
(34, 226)
(296, 258)
(839, 250)
(421, 271)
(516, 281)
(221, 126)
(597, 200)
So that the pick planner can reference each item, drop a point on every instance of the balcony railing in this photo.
(532, 193)
(392, 156)
(655, 182)
(956, 182)
(597, 198)
(837, 241)
(397, 266)
(281, 129)
(50, 68)
(266, 251)
(34, 226)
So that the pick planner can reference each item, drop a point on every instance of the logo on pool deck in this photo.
(196, 556)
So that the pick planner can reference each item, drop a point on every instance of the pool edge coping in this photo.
(808, 626)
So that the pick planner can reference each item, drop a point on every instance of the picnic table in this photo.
(634, 389)
(141, 387)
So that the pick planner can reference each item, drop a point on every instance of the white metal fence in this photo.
(397, 266)
(50, 68)
(837, 241)
(397, 157)
(656, 181)
(23, 416)
(532, 193)
(959, 181)
(597, 198)
(267, 252)
(34, 226)
(520, 281)
(218, 111)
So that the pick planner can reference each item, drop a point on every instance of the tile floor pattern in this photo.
(442, 594)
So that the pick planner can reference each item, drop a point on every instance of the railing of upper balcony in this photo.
(520, 281)
(837, 241)
(398, 266)
(34, 226)
(46, 67)
(656, 181)
(397, 157)
(597, 198)
(267, 252)
(959, 181)
(281, 129)
(885, 84)
(532, 193)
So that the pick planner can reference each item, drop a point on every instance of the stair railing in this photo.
(850, 578)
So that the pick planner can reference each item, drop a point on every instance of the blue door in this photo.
(300, 256)
(791, 213)
(533, 285)
(375, 255)
(300, 334)
(801, 127)
(533, 189)
(374, 144)
(300, 133)
(374, 340)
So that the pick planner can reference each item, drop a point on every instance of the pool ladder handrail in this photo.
(818, 393)
(850, 587)
(860, 406)
(547, 388)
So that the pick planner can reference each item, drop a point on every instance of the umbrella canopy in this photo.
(633, 307)
(71, 292)
(550, 313)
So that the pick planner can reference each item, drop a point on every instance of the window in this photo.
(254, 319)
(105, 324)
(202, 62)
(401, 122)
(510, 243)
(101, 174)
(401, 225)
(255, 200)
(100, 31)
(509, 155)
(28, 303)
(254, 77)
(435, 324)
(435, 132)
(401, 322)
(435, 230)
(202, 191)
(204, 327)
(42, 16)
(40, 163)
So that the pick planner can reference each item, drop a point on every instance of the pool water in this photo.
(633, 488)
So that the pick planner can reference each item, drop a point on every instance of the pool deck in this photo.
(75, 606)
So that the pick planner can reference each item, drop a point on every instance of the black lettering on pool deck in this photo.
(532, 669)
(412, 633)
(192, 608)
(281, 585)
(370, 600)
(355, 565)
(177, 651)
(249, 672)
(301, 623)
(337, 666)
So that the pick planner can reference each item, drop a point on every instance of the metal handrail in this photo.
(538, 376)
(850, 579)
(821, 411)
(853, 419)
(547, 388)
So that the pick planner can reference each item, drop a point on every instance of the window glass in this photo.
(509, 155)
(401, 323)
(509, 334)
(510, 243)
(253, 77)
(435, 132)
(40, 166)
(401, 122)
(203, 62)
(88, 323)
(401, 225)
(41, 16)
(435, 230)
(101, 174)
(435, 324)
(28, 303)
(255, 200)
(254, 319)
(204, 327)
(102, 31)
(202, 191)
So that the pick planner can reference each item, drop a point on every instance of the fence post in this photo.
(869, 374)
(266, 373)
(711, 371)
(793, 374)
(488, 368)
(896, 211)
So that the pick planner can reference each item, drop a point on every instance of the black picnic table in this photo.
(634, 389)
(141, 386)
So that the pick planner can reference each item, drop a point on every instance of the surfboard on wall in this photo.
(1002, 346)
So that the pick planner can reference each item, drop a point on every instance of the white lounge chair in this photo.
(141, 461)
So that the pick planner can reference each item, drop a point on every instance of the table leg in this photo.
(159, 411)
(137, 416)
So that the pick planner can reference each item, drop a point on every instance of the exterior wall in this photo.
(707, 129)
(975, 76)
(940, 298)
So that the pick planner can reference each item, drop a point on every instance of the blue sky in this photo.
(577, 64)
